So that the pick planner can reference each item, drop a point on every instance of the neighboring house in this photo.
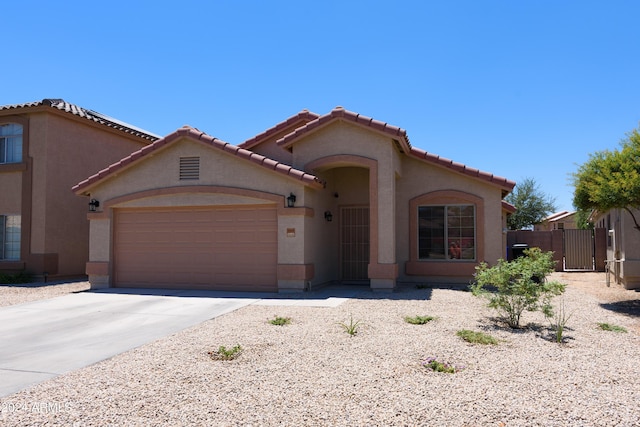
(45, 148)
(314, 200)
(623, 245)
(558, 221)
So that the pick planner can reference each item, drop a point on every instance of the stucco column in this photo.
(383, 268)
(293, 273)
(98, 267)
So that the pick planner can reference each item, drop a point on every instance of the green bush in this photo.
(418, 320)
(612, 328)
(519, 285)
(352, 327)
(476, 337)
(280, 321)
(437, 366)
(558, 320)
(224, 353)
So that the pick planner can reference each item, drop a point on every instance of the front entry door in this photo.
(354, 243)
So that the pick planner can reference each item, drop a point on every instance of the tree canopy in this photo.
(610, 179)
(531, 203)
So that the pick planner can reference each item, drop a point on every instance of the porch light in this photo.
(93, 205)
(291, 200)
(328, 216)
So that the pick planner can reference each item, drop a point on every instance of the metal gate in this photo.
(579, 250)
(354, 243)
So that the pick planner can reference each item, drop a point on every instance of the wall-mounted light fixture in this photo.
(328, 216)
(93, 205)
(291, 200)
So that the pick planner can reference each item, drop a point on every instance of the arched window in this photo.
(10, 143)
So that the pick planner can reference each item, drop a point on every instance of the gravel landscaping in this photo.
(312, 373)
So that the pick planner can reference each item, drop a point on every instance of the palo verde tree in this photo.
(531, 203)
(611, 179)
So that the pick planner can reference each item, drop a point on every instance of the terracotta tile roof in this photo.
(506, 206)
(401, 139)
(302, 118)
(196, 135)
(339, 113)
(62, 105)
(459, 167)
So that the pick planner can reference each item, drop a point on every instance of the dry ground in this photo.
(311, 373)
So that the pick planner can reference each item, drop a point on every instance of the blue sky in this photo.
(521, 88)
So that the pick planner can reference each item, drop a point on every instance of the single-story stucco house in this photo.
(564, 220)
(337, 198)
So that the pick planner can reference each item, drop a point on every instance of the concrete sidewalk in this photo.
(42, 339)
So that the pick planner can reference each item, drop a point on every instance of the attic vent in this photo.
(189, 168)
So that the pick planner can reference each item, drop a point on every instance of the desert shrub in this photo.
(612, 328)
(438, 366)
(224, 353)
(280, 321)
(418, 320)
(558, 319)
(352, 327)
(476, 337)
(511, 287)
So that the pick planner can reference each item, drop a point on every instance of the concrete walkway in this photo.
(43, 339)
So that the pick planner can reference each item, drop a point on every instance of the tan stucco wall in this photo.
(100, 246)
(628, 240)
(65, 151)
(11, 200)
(379, 155)
(421, 178)
(59, 150)
(216, 168)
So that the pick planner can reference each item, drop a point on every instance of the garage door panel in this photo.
(200, 248)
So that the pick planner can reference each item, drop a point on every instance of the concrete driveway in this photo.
(42, 339)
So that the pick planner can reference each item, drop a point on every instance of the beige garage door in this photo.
(230, 248)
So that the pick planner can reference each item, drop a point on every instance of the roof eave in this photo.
(398, 135)
(84, 187)
(504, 183)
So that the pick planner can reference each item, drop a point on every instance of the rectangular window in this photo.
(10, 143)
(9, 237)
(447, 232)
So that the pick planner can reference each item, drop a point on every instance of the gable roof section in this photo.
(214, 143)
(63, 106)
(463, 169)
(300, 119)
(558, 216)
(339, 113)
(401, 140)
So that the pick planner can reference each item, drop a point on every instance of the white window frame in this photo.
(10, 143)
(10, 234)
